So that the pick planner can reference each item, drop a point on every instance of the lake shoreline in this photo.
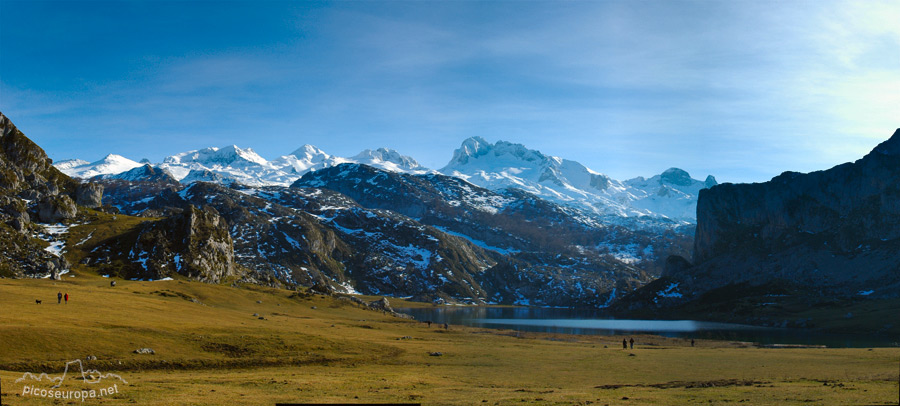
(582, 322)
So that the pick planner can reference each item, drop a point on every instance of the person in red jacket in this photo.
(67, 297)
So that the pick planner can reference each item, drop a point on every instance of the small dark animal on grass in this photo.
(38, 301)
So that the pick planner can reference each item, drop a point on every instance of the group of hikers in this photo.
(60, 296)
(446, 326)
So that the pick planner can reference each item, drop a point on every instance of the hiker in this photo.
(59, 298)
(624, 344)
(692, 342)
(631, 341)
(446, 326)
(67, 297)
(428, 322)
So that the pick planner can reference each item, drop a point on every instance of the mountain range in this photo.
(379, 222)
(499, 224)
(667, 200)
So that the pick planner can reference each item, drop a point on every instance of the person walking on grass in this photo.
(624, 344)
(631, 341)
(59, 298)
(67, 297)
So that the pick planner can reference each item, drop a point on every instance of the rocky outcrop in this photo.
(381, 304)
(194, 243)
(89, 195)
(208, 249)
(822, 236)
(15, 212)
(53, 209)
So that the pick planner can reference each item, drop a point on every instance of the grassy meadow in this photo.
(211, 349)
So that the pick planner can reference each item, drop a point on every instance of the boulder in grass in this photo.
(381, 304)
(147, 351)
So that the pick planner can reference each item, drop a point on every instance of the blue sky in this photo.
(742, 90)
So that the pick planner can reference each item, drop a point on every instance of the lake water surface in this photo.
(572, 321)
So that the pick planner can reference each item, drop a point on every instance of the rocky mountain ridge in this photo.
(664, 201)
(315, 236)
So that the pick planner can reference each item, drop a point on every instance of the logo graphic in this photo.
(91, 377)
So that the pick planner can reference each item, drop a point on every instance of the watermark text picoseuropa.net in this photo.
(51, 393)
(96, 387)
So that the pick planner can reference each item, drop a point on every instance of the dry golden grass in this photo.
(321, 349)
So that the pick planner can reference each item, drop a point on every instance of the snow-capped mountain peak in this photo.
(476, 149)
(310, 153)
(471, 147)
(668, 199)
(505, 164)
(388, 159)
(224, 156)
(669, 196)
(67, 164)
(676, 176)
(304, 159)
(110, 164)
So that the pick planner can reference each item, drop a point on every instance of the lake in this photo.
(575, 321)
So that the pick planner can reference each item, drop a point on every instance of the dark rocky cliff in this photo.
(827, 238)
(846, 205)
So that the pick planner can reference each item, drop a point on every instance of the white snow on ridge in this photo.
(230, 164)
(670, 195)
(389, 160)
(478, 243)
(68, 164)
(668, 199)
(110, 164)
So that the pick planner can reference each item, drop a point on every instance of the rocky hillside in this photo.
(321, 238)
(32, 191)
(39, 204)
(548, 251)
(824, 236)
(194, 243)
(507, 221)
(317, 236)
